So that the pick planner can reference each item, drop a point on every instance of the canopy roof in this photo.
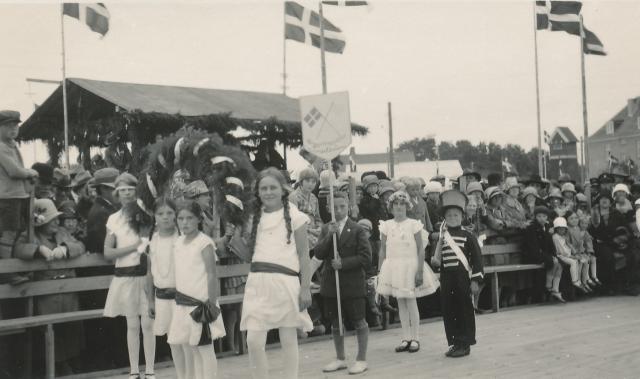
(91, 100)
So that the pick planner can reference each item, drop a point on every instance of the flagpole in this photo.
(64, 91)
(535, 43)
(284, 51)
(323, 66)
(391, 157)
(333, 214)
(584, 103)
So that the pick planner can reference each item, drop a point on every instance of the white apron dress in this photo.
(161, 250)
(398, 270)
(271, 300)
(127, 295)
(191, 280)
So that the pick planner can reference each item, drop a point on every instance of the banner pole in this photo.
(284, 51)
(64, 91)
(535, 44)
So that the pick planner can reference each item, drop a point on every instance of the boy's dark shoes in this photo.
(388, 308)
(404, 346)
(451, 350)
(460, 351)
(414, 346)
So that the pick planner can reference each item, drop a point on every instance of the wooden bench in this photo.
(72, 285)
(503, 258)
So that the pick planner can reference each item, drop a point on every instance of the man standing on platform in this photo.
(354, 252)
(15, 188)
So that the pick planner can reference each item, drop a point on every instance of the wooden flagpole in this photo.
(64, 91)
(333, 214)
(584, 104)
(535, 44)
(391, 157)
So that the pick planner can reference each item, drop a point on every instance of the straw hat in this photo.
(433, 187)
(568, 187)
(44, 210)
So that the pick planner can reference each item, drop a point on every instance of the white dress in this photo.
(191, 280)
(127, 295)
(270, 299)
(161, 250)
(398, 270)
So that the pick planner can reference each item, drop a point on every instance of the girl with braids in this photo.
(126, 296)
(277, 290)
(161, 291)
(196, 322)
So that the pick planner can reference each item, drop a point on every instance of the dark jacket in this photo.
(97, 224)
(355, 252)
(538, 244)
(372, 209)
(604, 232)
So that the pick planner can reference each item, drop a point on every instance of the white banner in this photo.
(326, 124)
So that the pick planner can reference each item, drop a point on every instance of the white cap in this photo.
(433, 187)
(637, 202)
(560, 222)
(621, 187)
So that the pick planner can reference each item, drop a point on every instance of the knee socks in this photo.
(256, 341)
(338, 340)
(362, 336)
(177, 355)
(149, 343)
(133, 343)
(289, 343)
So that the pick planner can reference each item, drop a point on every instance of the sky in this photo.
(451, 69)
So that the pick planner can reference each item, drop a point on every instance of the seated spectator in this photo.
(80, 193)
(624, 261)
(623, 205)
(323, 195)
(569, 196)
(530, 200)
(582, 206)
(433, 190)
(540, 249)
(307, 202)
(554, 202)
(495, 218)
(537, 183)
(372, 209)
(385, 190)
(565, 251)
(61, 185)
(577, 239)
(71, 223)
(512, 210)
(50, 242)
(605, 221)
(418, 210)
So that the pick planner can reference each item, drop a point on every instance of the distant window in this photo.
(610, 127)
(557, 146)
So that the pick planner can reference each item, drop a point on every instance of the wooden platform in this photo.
(593, 338)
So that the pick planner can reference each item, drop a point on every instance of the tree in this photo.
(422, 148)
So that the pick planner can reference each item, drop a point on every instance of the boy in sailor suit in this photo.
(460, 258)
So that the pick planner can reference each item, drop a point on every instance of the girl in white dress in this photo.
(277, 290)
(196, 320)
(127, 292)
(162, 282)
(403, 271)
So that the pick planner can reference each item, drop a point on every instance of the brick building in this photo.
(618, 138)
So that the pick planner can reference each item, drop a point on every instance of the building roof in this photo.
(565, 133)
(622, 124)
(398, 157)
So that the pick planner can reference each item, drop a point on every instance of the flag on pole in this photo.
(592, 44)
(96, 15)
(565, 16)
(559, 16)
(345, 3)
(303, 25)
(613, 161)
(542, 15)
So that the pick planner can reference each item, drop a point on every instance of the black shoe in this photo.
(452, 348)
(414, 346)
(461, 351)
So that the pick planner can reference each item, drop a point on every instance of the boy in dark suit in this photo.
(459, 256)
(354, 253)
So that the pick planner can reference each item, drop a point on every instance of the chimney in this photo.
(632, 107)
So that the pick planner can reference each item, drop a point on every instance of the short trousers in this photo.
(353, 309)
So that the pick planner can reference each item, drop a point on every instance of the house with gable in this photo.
(563, 154)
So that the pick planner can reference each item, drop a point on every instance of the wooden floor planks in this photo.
(593, 338)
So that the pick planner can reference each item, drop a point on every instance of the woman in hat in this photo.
(372, 209)
(512, 210)
(554, 202)
(530, 200)
(307, 202)
(495, 218)
(51, 242)
(621, 196)
(569, 192)
(127, 296)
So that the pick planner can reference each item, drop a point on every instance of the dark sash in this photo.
(165, 293)
(203, 314)
(138, 270)
(272, 268)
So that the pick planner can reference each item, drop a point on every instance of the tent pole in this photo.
(323, 66)
(64, 91)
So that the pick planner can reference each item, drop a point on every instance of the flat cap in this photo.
(8, 116)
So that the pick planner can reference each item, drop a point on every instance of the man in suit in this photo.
(354, 256)
(102, 208)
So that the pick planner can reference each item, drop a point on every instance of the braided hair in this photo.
(257, 205)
